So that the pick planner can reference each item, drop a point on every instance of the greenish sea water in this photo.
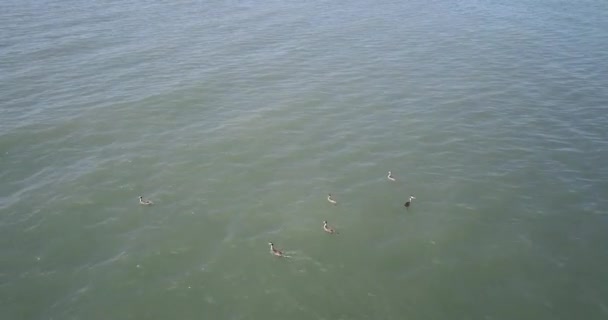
(237, 118)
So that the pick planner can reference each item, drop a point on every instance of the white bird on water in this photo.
(390, 176)
(330, 199)
(145, 202)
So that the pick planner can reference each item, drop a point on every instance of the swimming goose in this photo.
(409, 202)
(274, 251)
(145, 202)
(328, 229)
(330, 199)
(390, 176)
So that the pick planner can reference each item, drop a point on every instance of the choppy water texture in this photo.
(238, 117)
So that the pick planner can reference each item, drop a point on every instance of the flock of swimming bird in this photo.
(278, 253)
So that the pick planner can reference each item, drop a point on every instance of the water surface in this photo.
(237, 118)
